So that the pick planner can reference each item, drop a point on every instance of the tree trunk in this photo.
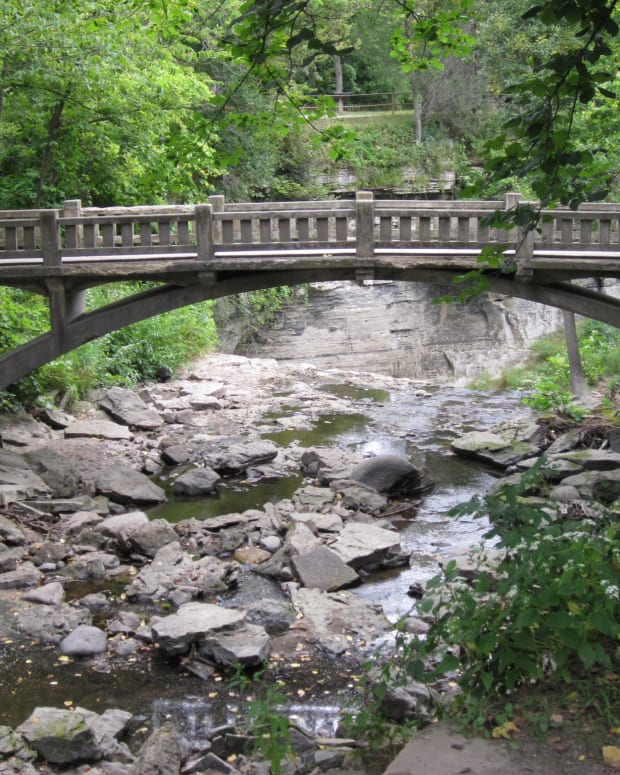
(417, 113)
(577, 379)
(339, 83)
(53, 128)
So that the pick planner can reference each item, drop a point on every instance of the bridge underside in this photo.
(188, 282)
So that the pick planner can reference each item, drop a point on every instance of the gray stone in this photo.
(127, 407)
(50, 624)
(57, 472)
(239, 457)
(17, 480)
(152, 535)
(321, 568)
(125, 622)
(339, 621)
(161, 754)
(93, 565)
(172, 568)
(300, 539)
(594, 459)
(49, 594)
(10, 533)
(72, 524)
(319, 523)
(13, 744)
(51, 552)
(60, 736)
(565, 442)
(10, 558)
(25, 575)
(246, 645)
(192, 623)
(84, 641)
(95, 601)
(493, 448)
(271, 543)
(327, 464)
(393, 475)
(100, 429)
(122, 527)
(402, 703)
(176, 454)
(276, 616)
(125, 485)
(107, 728)
(604, 485)
(360, 544)
(312, 498)
(56, 418)
(197, 481)
(359, 497)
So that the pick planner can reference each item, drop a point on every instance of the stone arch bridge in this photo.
(206, 251)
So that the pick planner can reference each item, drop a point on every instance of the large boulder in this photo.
(392, 475)
(60, 736)
(196, 481)
(57, 472)
(17, 480)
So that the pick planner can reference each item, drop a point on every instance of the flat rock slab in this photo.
(360, 544)
(493, 448)
(101, 429)
(323, 569)
(439, 750)
(125, 485)
(192, 623)
(249, 645)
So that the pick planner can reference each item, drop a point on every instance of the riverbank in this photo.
(101, 594)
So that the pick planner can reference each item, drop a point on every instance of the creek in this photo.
(418, 423)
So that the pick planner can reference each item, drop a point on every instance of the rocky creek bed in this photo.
(130, 593)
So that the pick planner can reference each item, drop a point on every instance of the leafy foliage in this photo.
(547, 613)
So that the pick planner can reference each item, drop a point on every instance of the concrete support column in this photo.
(365, 224)
(75, 302)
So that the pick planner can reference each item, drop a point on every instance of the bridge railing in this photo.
(362, 227)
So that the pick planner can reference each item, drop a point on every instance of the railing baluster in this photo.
(284, 229)
(303, 229)
(10, 237)
(463, 229)
(90, 235)
(566, 231)
(444, 229)
(585, 231)
(163, 228)
(228, 232)
(107, 234)
(246, 230)
(264, 228)
(126, 235)
(604, 231)
(322, 229)
(146, 237)
(385, 228)
(425, 228)
(342, 231)
(404, 228)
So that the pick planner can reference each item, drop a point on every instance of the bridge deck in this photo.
(215, 249)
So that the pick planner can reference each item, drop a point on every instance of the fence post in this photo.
(50, 237)
(218, 204)
(204, 232)
(364, 224)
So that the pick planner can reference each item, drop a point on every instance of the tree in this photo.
(87, 111)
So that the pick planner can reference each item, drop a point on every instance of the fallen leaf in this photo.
(611, 756)
(505, 730)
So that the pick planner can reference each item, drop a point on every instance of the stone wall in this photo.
(394, 328)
